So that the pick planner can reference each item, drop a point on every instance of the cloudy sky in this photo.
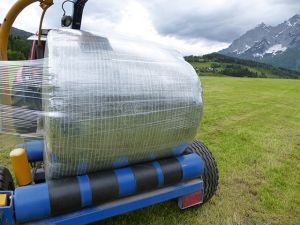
(191, 26)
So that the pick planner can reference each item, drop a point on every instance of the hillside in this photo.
(20, 33)
(277, 45)
(220, 65)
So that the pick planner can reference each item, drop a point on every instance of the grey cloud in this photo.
(193, 26)
(107, 9)
(189, 20)
(186, 19)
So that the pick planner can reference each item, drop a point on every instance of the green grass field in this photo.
(253, 129)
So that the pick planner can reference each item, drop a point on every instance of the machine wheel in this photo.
(210, 176)
(6, 180)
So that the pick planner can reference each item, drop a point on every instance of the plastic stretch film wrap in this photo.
(108, 103)
(20, 96)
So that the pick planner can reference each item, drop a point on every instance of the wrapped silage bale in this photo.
(109, 103)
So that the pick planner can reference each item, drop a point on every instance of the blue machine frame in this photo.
(6, 212)
(25, 199)
(113, 208)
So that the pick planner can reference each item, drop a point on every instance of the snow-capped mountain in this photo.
(278, 45)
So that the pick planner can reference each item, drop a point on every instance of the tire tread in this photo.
(6, 180)
(211, 173)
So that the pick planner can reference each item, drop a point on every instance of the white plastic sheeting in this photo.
(20, 96)
(108, 103)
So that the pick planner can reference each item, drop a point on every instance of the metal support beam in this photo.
(125, 205)
(77, 13)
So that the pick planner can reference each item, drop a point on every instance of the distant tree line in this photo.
(238, 71)
(238, 67)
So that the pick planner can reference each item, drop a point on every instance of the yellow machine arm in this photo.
(10, 18)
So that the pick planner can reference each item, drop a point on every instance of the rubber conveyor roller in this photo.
(60, 196)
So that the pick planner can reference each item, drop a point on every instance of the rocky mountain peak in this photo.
(267, 43)
(295, 19)
(262, 26)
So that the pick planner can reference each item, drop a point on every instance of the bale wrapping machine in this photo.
(117, 128)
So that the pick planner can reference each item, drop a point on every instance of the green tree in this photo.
(18, 49)
(15, 55)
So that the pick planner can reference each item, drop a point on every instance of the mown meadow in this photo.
(252, 126)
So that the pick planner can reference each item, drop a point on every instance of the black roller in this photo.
(64, 195)
(146, 177)
(104, 186)
(73, 193)
(172, 171)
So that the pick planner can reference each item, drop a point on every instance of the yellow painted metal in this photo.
(3, 200)
(21, 166)
(45, 5)
(10, 18)
(8, 22)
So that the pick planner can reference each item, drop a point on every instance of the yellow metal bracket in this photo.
(3, 200)
(44, 4)
(20, 165)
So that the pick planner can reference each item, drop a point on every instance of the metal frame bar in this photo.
(7, 212)
(125, 205)
(77, 14)
(108, 210)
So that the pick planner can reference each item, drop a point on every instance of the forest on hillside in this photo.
(18, 48)
(216, 64)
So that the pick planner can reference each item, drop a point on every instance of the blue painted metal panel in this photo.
(85, 190)
(125, 205)
(34, 150)
(179, 149)
(7, 212)
(32, 202)
(192, 166)
(126, 181)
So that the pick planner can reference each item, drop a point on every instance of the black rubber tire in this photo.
(6, 180)
(211, 174)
